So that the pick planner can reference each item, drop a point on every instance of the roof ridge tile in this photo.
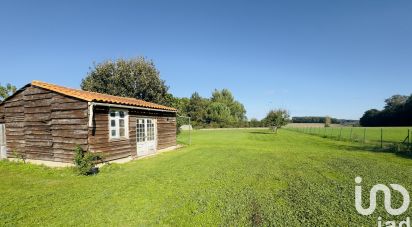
(95, 96)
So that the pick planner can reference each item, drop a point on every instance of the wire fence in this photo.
(385, 137)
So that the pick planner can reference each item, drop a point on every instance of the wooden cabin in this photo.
(43, 121)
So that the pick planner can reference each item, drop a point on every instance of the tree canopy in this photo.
(6, 91)
(397, 112)
(220, 110)
(276, 118)
(136, 78)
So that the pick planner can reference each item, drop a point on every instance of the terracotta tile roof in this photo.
(99, 97)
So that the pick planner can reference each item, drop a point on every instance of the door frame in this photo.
(146, 143)
(3, 141)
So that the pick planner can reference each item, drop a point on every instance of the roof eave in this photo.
(110, 104)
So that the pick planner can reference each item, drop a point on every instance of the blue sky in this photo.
(335, 58)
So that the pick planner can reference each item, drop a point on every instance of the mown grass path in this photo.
(234, 177)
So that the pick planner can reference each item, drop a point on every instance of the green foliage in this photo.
(19, 156)
(219, 114)
(221, 110)
(136, 78)
(85, 161)
(395, 101)
(276, 118)
(237, 110)
(6, 91)
(315, 119)
(254, 123)
(397, 112)
(197, 109)
(227, 178)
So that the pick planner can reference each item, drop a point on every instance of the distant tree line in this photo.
(397, 112)
(313, 119)
(274, 118)
(317, 119)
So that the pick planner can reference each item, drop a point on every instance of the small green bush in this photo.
(19, 156)
(85, 161)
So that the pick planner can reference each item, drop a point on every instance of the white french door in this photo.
(146, 136)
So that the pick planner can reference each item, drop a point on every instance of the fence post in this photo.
(340, 133)
(381, 137)
(364, 135)
(331, 133)
(350, 137)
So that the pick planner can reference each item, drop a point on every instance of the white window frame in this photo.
(117, 118)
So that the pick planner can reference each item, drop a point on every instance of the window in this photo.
(118, 124)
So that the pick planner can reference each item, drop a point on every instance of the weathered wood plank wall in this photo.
(45, 125)
(166, 132)
(14, 121)
(2, 114)
(37, 120)
(114, 149)
(99, 137)
(69, 119)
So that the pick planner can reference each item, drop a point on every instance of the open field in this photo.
(361, 134)
(309, 125)
(227, 177)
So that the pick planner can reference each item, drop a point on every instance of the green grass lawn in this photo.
(233, 177)
(371, 134)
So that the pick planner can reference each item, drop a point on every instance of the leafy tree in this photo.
(397, 112)
(218, 114)
(136, 78)
(255, 123)
(368, 118)
(197, 108)
(181, 105)
(220, 110)
(224, 96)
(276, 119)
(395, 101)
(6, 91)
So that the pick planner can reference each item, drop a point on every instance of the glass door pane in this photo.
(140, 130)
(150, 130)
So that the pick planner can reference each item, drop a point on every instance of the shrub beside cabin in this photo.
(45, 122)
